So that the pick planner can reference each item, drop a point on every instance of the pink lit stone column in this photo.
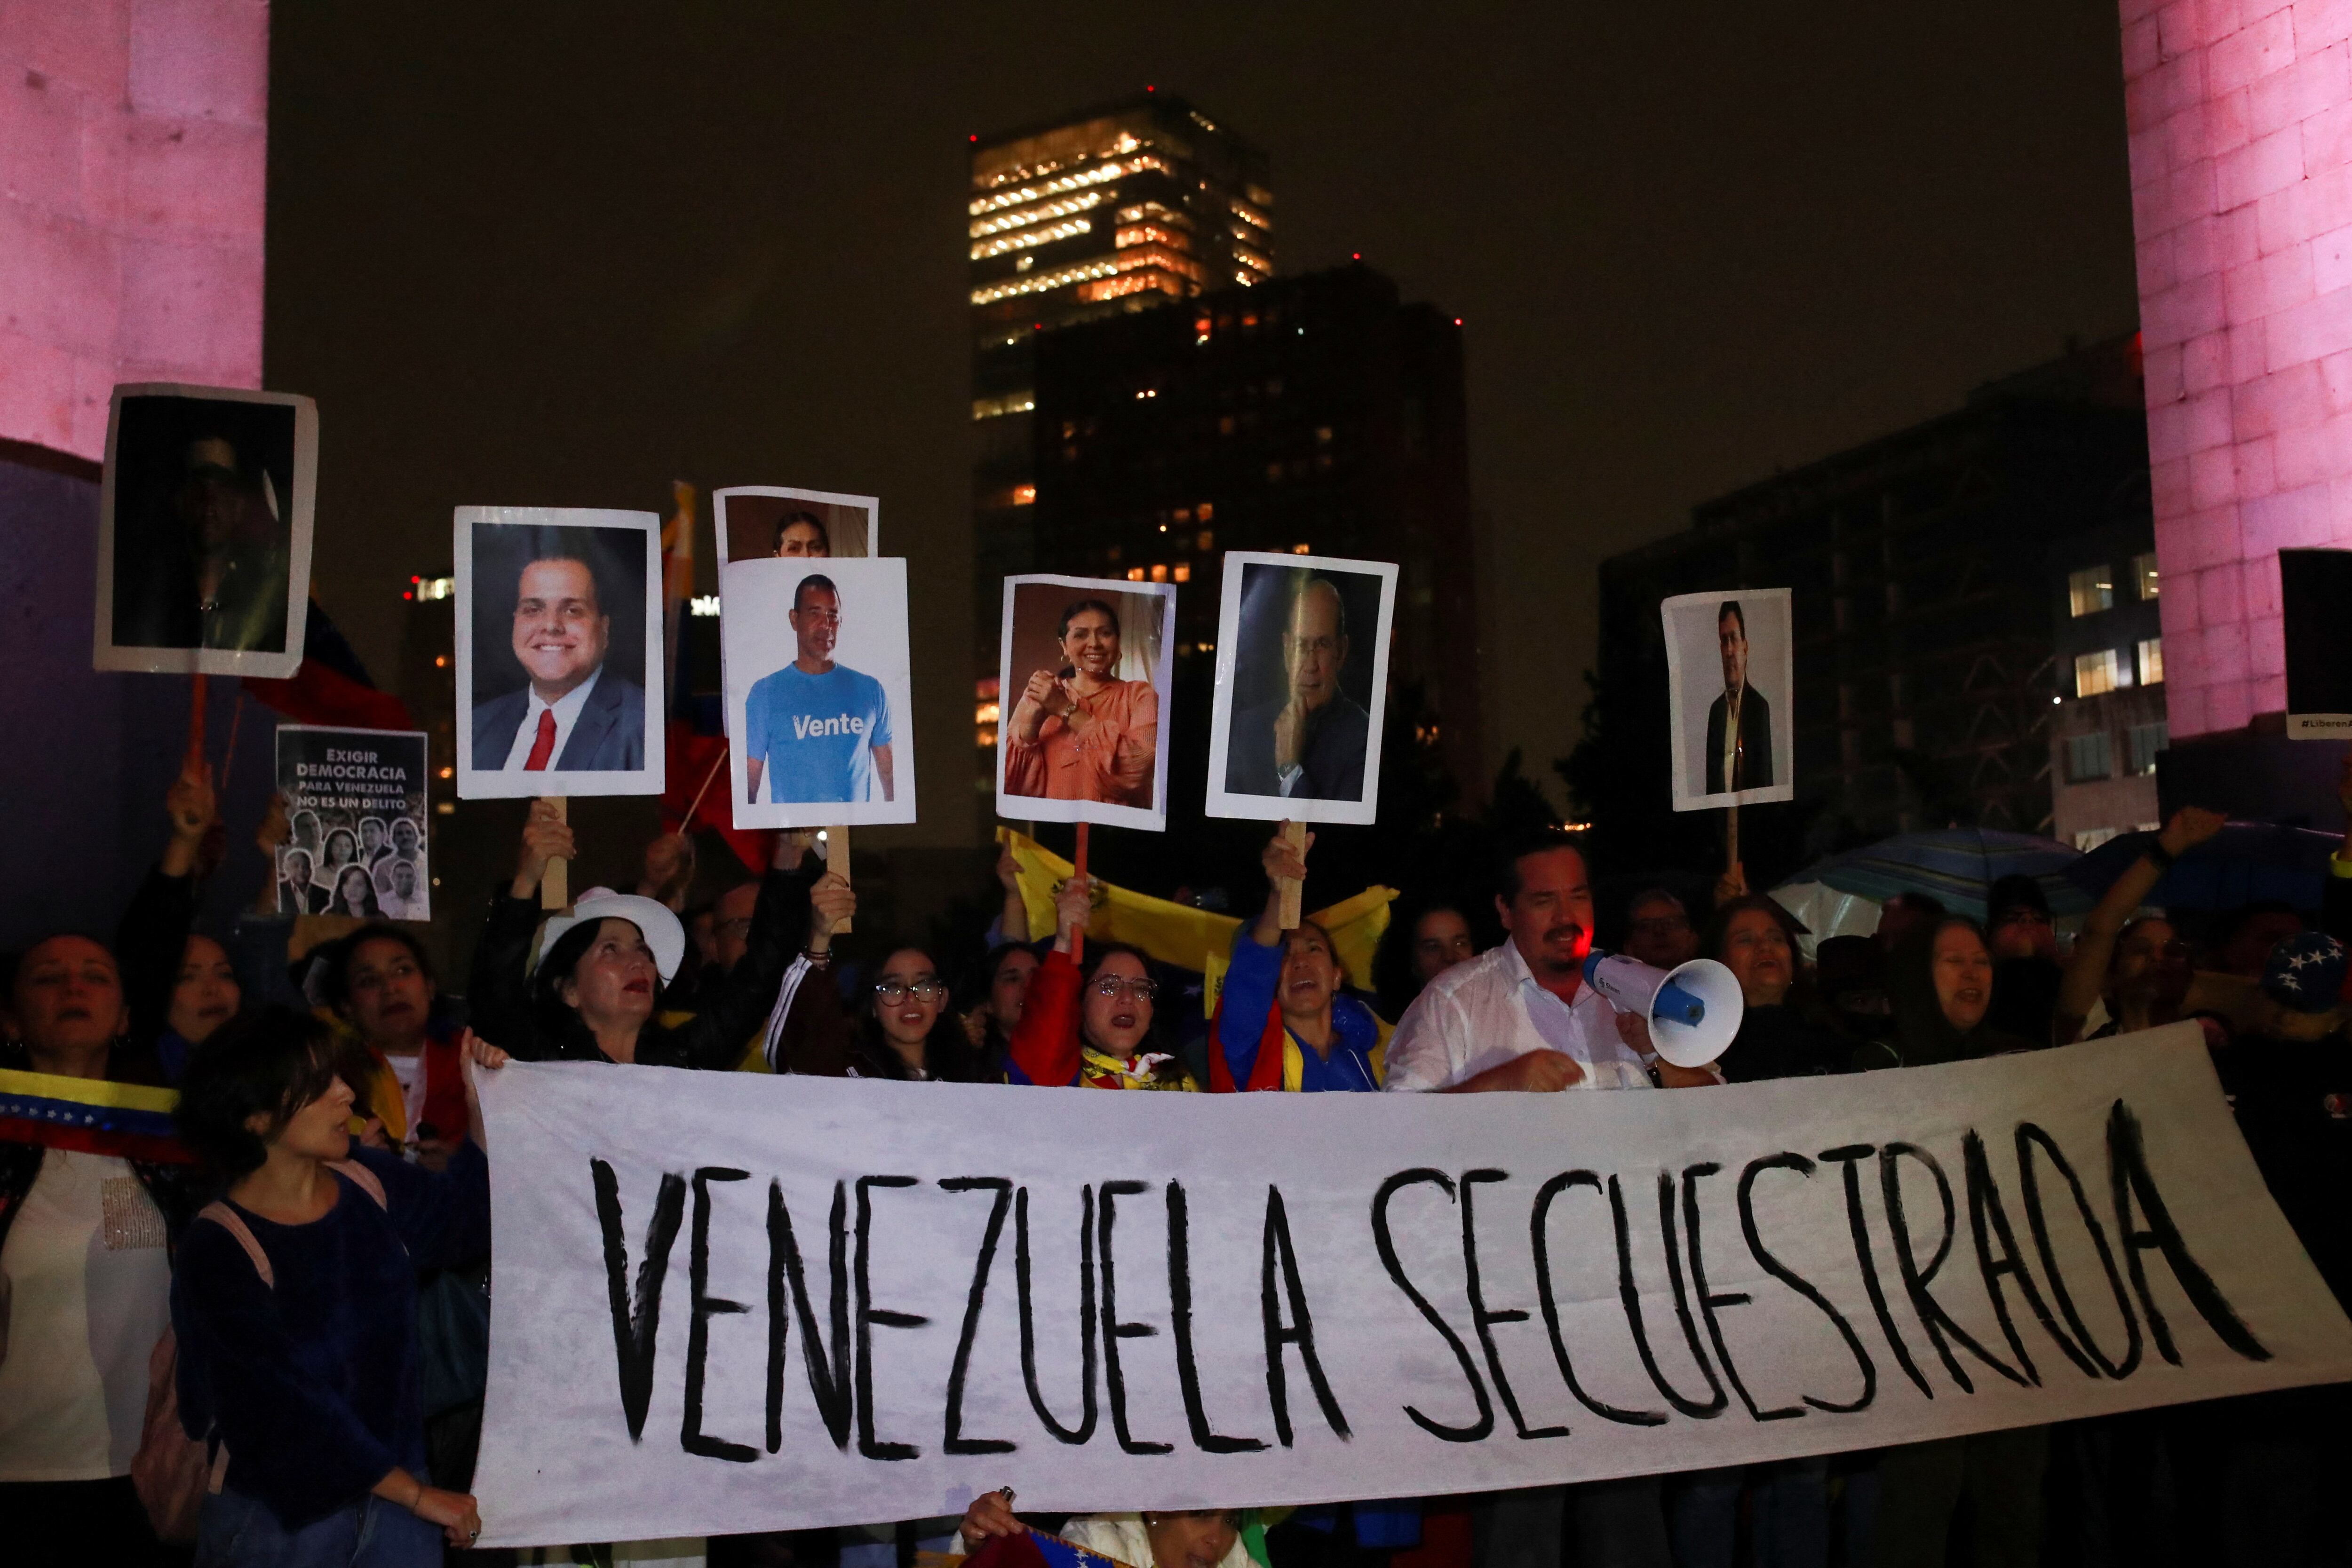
(2239, 114)
(134, 141)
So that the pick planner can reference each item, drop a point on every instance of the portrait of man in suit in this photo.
(1309, 743)
(1740, 722)
(572, 714)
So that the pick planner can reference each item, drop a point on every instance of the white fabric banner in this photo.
(729, 1302)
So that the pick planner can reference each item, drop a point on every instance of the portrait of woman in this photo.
(355, 894)
(343, 849)
(1082, 730)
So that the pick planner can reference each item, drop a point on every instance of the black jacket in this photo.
(1755, 742)
(1332, 760)
(499, 993)
(1924, 1037)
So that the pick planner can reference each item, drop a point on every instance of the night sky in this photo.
(560, 263)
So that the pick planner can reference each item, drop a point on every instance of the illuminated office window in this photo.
(2089, 591)
(2145, 740)
(2097, 673)
(2151, 661)
(2143, 574)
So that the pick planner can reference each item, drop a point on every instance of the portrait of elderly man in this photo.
(1739, 723)
(1308, 742)
(572, 714)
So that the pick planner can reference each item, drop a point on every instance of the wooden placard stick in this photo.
(556, 881)
(836, 860)
(1078, 869)
(1290, 887)
(1731, 836)
(686, 823)
(196, 695)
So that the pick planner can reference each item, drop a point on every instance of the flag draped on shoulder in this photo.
(90, 1116)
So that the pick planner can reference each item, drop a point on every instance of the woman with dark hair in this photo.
(296, 1306)
(904, 1030)
(1423, 940)
(1755, 939)
(341, 849)
(1283, 1022)
(1789, 1501)
(178, 984)
(1082, 733)
(84, 1249)
(1003, 984)
(1092, 1025)
(1940, 980)
(355, 894)
(802, 533)
(596, 993)
(379, 980)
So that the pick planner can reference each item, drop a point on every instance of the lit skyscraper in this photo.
(1114, 209)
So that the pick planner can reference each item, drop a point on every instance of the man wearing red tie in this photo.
(575, 716)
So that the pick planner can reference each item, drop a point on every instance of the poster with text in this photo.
(2316, 603)
(1084, 675)
(355, 804)
(1302, 670)
(559, 641)
(1730, 683)
(203, 531)
(819, 700)
(758, 522)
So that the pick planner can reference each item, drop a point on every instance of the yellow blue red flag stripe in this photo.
(90, 1115)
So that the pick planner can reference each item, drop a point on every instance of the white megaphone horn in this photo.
(1693, 1013)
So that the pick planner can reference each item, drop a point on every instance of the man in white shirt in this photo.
(399, 895)
(1520, 1016)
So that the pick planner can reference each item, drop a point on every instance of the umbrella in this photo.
(1956, 866)
(2245, 861)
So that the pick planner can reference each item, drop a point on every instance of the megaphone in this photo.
(1693, 1013)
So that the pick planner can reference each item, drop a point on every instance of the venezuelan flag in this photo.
(1182, 936)
(91, 1116)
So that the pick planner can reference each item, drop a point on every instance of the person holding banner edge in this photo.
(1169, 1538)
(294, 1303)
(1520, 1018)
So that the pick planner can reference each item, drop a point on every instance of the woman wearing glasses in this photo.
(1090, 1025)
(904, 1030)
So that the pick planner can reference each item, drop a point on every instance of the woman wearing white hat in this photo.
(595, 992)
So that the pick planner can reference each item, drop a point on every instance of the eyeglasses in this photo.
(1113, 987)
(897, 991)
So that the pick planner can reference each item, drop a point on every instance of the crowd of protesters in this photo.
(276, 1354)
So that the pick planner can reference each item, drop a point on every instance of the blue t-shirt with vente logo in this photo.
(814, 734)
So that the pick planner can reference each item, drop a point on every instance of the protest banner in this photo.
(729, 1304)
(355, 802)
